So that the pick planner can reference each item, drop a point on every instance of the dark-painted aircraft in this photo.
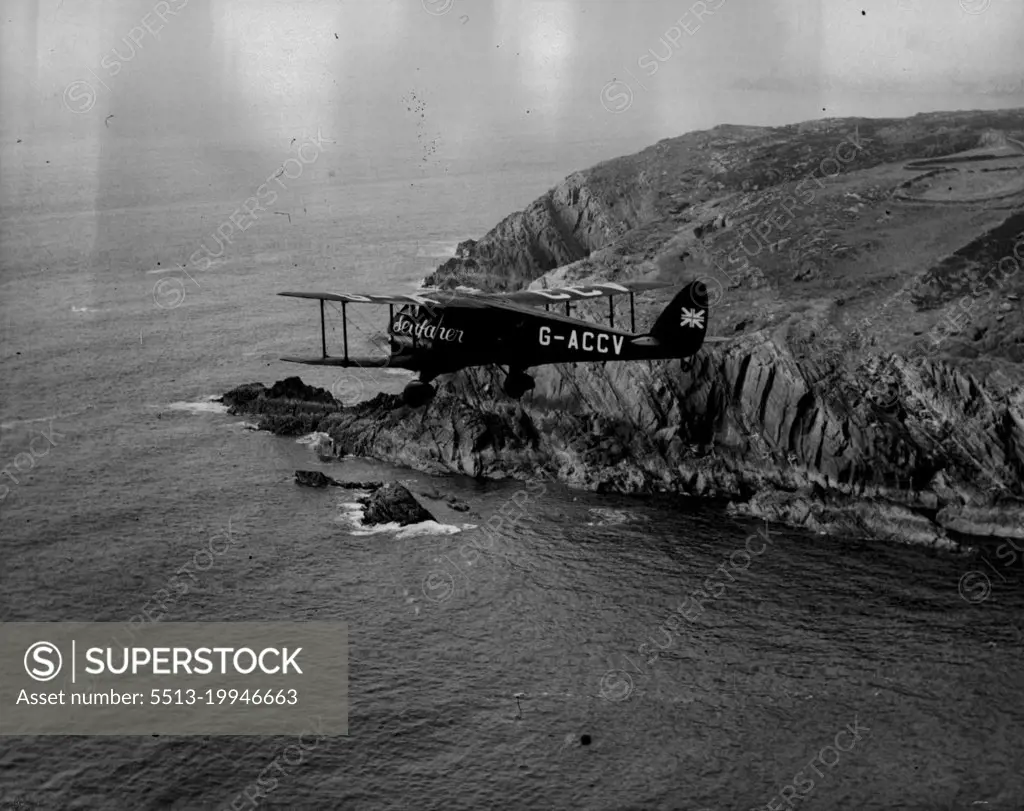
(436, 332)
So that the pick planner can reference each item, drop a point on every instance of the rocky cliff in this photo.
(864, 374)
(565, 224)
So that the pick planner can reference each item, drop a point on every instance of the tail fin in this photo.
(684, 323)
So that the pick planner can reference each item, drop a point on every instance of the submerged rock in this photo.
(393, 504)
(316, 478)
(313, 478)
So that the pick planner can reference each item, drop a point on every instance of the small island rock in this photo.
(393, 503)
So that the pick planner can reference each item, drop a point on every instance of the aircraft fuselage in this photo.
(454, 338)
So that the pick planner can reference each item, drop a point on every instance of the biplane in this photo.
(436, 332)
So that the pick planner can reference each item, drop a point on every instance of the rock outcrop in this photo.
(387, 503)
(864, 373)
(393, 504)
(295, 408)
(316, 478)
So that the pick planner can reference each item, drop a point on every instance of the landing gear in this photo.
(418, 393)
(517, 384)
(686, 364)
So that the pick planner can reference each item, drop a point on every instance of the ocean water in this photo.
(121, 468)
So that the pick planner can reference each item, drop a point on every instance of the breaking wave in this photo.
(351, 516)
(208, 405)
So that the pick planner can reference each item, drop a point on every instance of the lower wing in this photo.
(366, 363)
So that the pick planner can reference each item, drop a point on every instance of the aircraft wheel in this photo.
(418, 393)
(687, 364)
(517, 384)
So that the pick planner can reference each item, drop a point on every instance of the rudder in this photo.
(684, 323)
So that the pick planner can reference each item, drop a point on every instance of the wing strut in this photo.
(323, 329)
(344, 329)
(632, 314)
(611, 311)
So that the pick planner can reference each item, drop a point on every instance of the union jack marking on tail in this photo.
(691, 318)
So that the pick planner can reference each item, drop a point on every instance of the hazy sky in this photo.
(459, 76)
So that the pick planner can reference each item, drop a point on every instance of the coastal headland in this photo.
(863, 374)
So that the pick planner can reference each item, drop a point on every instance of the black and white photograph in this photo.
(542, 405)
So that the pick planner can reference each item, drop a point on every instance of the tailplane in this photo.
(684, 323)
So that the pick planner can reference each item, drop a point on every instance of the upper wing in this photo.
(473, 298)
(596, 290)
(424, 298)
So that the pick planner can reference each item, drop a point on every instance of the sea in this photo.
(570, 662)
